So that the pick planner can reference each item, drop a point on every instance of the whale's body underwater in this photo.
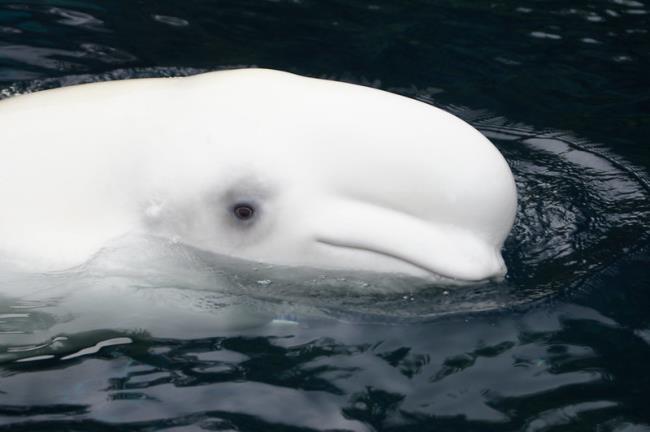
(258, 164)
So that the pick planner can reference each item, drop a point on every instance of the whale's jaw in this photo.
(443, 251)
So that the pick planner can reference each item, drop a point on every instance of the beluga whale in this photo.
(257, 164)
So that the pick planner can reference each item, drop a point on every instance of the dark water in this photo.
(562, 88)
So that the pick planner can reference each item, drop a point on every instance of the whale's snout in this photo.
(442, 251)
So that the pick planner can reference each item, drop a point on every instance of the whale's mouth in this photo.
(414, 267)
(411, 268)
(443, 250)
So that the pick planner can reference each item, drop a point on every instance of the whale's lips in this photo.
(434, 271)
(443, 251)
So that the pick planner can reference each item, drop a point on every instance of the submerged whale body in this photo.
(257, 164)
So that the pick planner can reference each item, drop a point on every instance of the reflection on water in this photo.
(539, 370)
(171, 339)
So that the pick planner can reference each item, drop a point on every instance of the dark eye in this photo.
(243, 211)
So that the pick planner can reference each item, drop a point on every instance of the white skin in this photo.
(335, 175)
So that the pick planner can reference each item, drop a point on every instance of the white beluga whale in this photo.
(257, 164)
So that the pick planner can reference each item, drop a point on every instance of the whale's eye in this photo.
(243, 211)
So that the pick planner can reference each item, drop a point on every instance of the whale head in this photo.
(297, 171)
(257, 164)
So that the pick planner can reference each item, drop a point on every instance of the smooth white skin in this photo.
(341, 176)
